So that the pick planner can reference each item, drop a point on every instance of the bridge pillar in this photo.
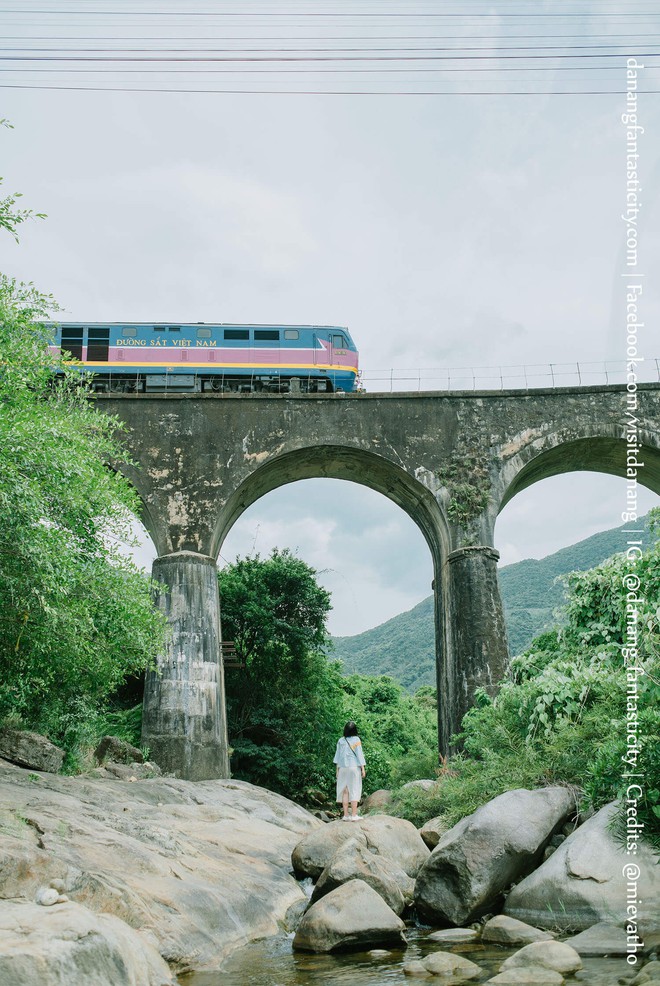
(184, 719)
(476, 652)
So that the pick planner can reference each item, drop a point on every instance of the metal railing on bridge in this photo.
(530, 376)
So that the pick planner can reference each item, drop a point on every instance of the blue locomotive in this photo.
(139, 357)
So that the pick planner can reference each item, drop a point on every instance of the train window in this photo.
(291, 334)
(97, 344)
(72, 340)
(339, 342)
(237, 334)
(266, 334)
(129, 330)
(174, 328)
(204, 333)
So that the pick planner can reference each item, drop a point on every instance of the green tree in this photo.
(275, 612)
(75, 616)
(285, 707)
(288, 706)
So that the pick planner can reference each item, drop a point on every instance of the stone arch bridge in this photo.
(451, 461)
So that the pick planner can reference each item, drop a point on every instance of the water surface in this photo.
(273, 962)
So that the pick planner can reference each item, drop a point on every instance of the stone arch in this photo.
(556, 454)
(135, 477)
(398, 485)
(348, 463)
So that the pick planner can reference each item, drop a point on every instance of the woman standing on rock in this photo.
(349, 759)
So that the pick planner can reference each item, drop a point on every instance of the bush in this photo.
(560, 716)
(398, 731)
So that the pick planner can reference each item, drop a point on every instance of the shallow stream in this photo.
(272, 962)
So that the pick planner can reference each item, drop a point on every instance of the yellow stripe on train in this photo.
(211, 366)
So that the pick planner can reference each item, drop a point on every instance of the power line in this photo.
(316, 71)
(315, 58)
(386, 53)
(316, 37)
(315, 14)
(336, 92)
(531, 48)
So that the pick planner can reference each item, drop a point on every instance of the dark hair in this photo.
(350, 729)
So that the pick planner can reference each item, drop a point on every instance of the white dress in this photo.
(350, 760)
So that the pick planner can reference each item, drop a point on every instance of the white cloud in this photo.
(374, 560)
(366, 550)
(456, 232)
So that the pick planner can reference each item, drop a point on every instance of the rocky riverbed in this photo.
(177, 871)
(117, 879)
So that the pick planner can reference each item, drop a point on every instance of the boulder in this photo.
(583, 882)
(555, 955)
(534, 976)
(351, 917)
(353, 861)
(600, 939)
(397, 840)
(651, 933)
(117, 750)
(316, 850)
(422, 785)
(417, 969)
(433, 830)
(453, 936)
(320, 798)
(70, 944)
(30, 750)
(650, 973)
(508, 931)
(378, 801)
(477, 859)
(394, 838)
(405, 883)
(47, 896)
(453, 967)
(206, 866)
(131, 772)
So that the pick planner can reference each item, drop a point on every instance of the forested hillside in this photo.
(404, 647)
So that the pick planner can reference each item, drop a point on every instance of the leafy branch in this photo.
(11, 216)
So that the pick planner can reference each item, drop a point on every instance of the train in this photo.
(199, 357)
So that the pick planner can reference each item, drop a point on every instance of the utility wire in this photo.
(532, 48)
(316, 37)
(314, 58)
(319, 13)
(316, 71)
(339, 92)
(117, 56)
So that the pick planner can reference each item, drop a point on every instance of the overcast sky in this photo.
(444, 231)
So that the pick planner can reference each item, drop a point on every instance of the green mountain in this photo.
(404, 647)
